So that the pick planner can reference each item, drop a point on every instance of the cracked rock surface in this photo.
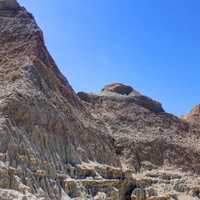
(59, 145)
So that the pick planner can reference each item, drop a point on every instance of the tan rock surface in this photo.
(194, 115)
(55, 144)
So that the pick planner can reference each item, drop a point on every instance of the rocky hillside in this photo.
(59, 145)
(194, 115)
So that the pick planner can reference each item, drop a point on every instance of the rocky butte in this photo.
(59, 145)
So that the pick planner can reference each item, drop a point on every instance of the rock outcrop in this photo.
(194, 115)
(59, 145)
(45, 130)
(119, 88)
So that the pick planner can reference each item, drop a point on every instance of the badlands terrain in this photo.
(59, 145)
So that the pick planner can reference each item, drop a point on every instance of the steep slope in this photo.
(140, 126)
(145, 136)
(43, 126)
(55, 144)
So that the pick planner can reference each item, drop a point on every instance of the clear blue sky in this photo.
(153, 45)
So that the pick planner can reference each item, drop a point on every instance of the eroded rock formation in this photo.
(119, 88)
(194, 115)
(56, 144)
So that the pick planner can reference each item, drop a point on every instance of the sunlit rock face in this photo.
(118, 88)
(55, 144)
(45, 130)
(194, 115)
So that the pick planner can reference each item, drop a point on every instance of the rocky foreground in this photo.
(59, 145)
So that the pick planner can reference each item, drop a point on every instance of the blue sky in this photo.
(153, 45)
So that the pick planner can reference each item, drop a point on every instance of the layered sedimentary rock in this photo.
(141, 129)
(44, 128)
(147, 139)
(56, 144)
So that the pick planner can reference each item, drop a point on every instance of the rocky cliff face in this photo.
(194, 115)
(56, 144)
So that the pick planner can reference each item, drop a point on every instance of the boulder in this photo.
(119, 88)
(100, 196)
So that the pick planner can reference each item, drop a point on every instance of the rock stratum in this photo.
(59, 145)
